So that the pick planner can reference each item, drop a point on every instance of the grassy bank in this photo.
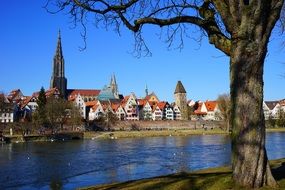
(157, 133)
(209, 179)
(276, 129)
(151, 133)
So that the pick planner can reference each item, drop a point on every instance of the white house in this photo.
(201, 111)
(96, 111)
(157, 113)
(32, 103)
(191, 103)
(7, 112)
(130, 106)
(271, 109)
(145, 109)
(79, 102)
(212, 110)
(266, 111)
(177, 112)
(7, 116)
(169, 113)
(119, 111)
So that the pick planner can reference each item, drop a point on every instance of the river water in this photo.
(72, 164)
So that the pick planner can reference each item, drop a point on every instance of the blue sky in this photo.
(28, 41)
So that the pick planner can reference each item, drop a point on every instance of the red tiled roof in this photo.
(142, 102)
(198, 110)
(48, 93)
(52, 91)
(125, 100)
(200, 113)
(94, 108)
(148, 97)
(210, 105)
(26, 101)
(13, 94)
(91, 103)
(83, 92)
(105, 106)
(115, 106)
(161, 105)
(72, 99)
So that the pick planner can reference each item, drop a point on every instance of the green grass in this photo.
(277, 129)
(209, 179)
(152, 133)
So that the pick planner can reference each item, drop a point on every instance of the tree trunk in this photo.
(249, 158)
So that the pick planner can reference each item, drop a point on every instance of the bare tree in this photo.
(75, 118)
(56, 112)
(224, 107)
(241, 29)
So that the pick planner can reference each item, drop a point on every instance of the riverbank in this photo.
(209, 179)
(62, 136)
(160, 133)
(150, 133)
(154, 132)
(275, 130)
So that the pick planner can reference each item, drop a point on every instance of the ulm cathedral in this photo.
(110, 92)
(59, 81)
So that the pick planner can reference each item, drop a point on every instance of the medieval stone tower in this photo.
(181, 100)
(58, 79)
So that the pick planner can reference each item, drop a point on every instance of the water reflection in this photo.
(67, 165)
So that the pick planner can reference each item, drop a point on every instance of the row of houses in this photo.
(129, 107)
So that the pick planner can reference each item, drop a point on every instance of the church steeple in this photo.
(114, 86)
(58, 52)
(146, 90)
(58, 79)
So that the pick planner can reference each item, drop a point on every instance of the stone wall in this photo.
(166, 125)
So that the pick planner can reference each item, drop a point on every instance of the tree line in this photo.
(52, 114)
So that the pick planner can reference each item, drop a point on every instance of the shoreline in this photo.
(211, 178)
(150, 133)
(91, 135)
(160, 133)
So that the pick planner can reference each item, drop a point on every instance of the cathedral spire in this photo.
(58, 52)
(58, 79)
(114, 86)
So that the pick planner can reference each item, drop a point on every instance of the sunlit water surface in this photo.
(42, 165)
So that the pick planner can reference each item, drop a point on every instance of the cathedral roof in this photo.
(83, 92)
(179, 88)
(106, 94)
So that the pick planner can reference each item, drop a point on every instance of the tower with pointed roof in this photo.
(114, 86)
(181, 100)
(58, 79)
(146, 90)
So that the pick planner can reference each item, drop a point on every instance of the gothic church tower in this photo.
(181, 100)
(58, 79)
(114, 86)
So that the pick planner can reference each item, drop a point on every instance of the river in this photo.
(72, 164)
